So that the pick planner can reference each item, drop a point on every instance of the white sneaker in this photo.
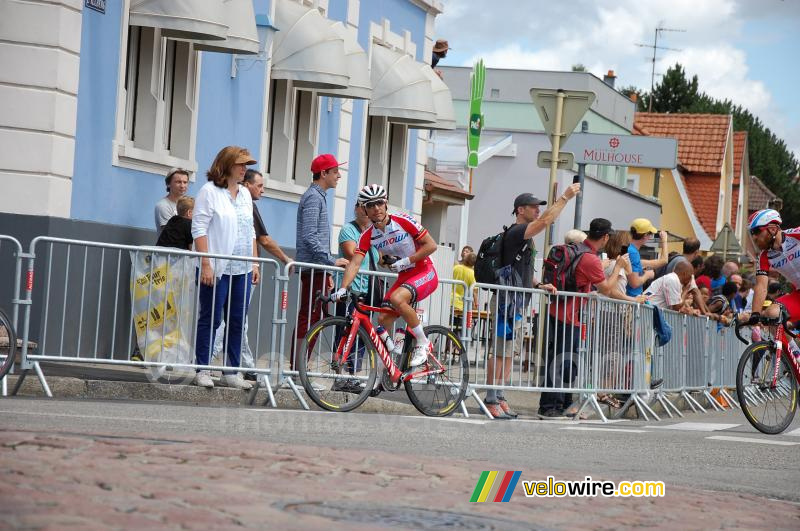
(420, 354)
(236, 381)
(203, 379)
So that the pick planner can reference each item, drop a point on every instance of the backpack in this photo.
(490, 258)
(559, 267)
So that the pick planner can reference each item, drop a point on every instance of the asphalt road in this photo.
(699, 453)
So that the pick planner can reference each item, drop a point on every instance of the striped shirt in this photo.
(313, 238)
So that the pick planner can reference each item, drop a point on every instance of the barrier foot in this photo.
(270, 394)
(464, 409)
(711, 400)
(642, 406)
(21, 379)
(692, 402)
(288, 380)
(42, 380)
(625, 407)
(262, 380)
(729, 398)
(592, 399)
(481, 405)
(666, 404)
(754, 397)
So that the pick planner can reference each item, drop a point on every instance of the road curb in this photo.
(67, 387)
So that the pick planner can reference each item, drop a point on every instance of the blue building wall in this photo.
(229, 112)
(403, 16)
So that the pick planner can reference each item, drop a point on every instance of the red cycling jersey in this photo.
(785, 261)
(401, 238)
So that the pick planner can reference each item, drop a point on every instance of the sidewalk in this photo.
(104, 382)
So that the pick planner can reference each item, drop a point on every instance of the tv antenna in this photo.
(655, 47)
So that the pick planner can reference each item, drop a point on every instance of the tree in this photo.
(674, 93)
(770, 159)
(579, 67)
(635, 95)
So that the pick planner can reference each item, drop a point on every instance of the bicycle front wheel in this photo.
(8, 344)
(439, 394)
(332, 384)
(769, 407)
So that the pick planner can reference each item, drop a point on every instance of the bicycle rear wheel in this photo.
(438, 395)
(769, 408)
(8, 344)
(332, 385)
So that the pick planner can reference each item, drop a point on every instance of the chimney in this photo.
(610, 78)
(633, 97)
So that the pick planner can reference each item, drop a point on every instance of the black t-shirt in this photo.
(176, 233)
(258, 223)
(512, 245)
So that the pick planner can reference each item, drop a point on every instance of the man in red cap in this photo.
(313, 242)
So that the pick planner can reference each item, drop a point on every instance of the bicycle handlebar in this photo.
(781, 320)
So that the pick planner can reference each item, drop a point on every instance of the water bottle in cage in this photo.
(384, 335)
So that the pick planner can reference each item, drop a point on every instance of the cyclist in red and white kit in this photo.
(408, 243)
(780, 251)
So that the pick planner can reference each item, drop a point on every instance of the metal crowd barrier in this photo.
(103, 303)
(300, 309)
(97, 303)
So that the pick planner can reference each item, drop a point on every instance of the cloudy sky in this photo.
(744, 50)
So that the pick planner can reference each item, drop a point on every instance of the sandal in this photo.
(583, 415)
(610, 401)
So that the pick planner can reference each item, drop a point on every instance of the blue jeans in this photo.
(562, 359)
(228, 299)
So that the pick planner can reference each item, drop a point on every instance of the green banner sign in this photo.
(475, 117)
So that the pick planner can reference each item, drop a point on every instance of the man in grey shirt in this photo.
(313, 243)
(177, 182)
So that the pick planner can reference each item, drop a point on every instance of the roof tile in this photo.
(703, 193)
(759, 194)
(701, 137)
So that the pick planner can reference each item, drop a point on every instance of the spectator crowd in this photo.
(223, 220)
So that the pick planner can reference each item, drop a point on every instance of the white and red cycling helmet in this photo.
(762, 218)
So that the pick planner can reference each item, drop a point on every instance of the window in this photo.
(158, 100)
(386, 154)
(293, 128)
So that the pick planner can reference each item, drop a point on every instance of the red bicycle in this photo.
(767, 378)
(339, 368)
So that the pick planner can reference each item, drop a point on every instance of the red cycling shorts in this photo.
(421, 281)
(792, 304)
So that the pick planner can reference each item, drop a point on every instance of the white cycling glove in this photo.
(338, 295)
(400, 265)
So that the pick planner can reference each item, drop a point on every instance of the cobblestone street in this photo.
(106, 477)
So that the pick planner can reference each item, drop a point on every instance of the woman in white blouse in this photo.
(223, 224)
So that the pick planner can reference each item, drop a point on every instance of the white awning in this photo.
(400, 91)
(181, 19)
(360, 86)
(242, 33)
(306, 49)
(442, 102)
